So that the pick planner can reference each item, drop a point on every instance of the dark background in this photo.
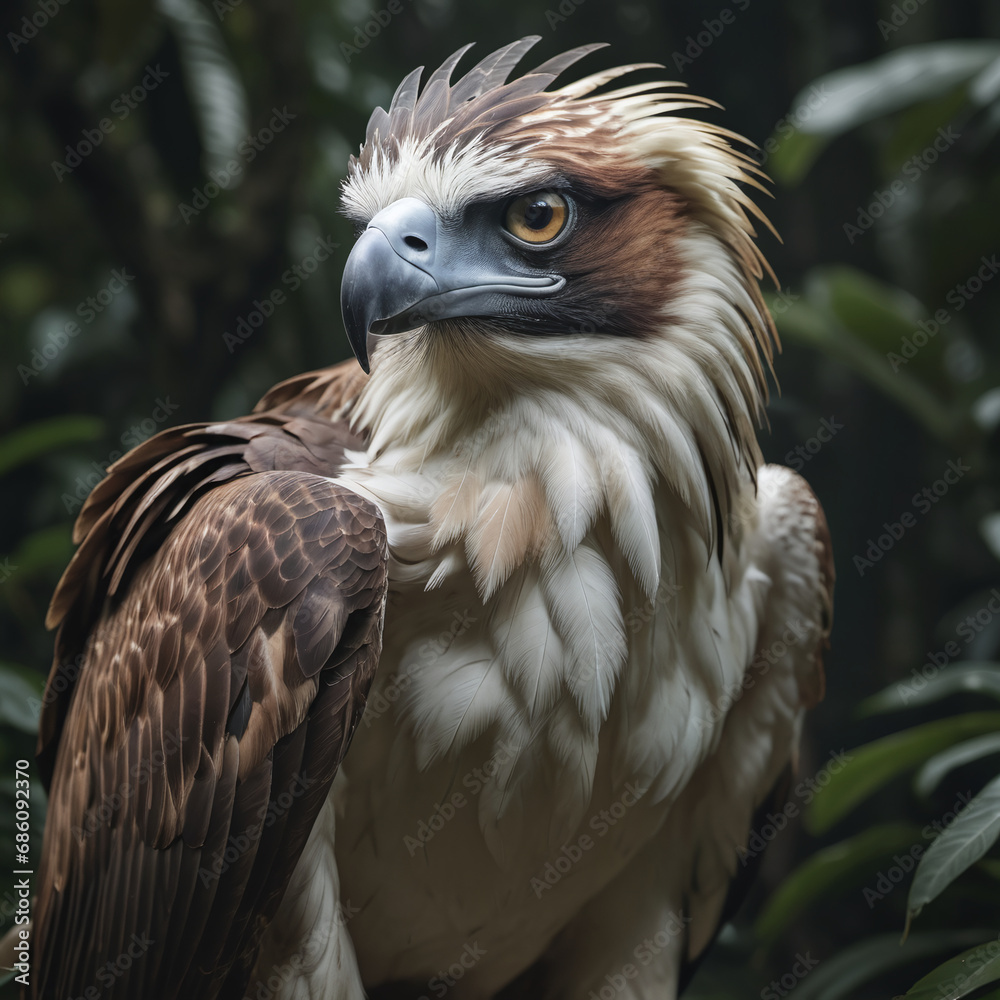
(146, 202)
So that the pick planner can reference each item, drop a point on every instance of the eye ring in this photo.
(538, 218)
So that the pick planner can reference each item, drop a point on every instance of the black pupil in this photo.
(538, 214)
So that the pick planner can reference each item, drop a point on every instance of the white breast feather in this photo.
(601, 456)
(531, 649)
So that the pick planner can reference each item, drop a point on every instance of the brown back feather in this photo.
(219, 628)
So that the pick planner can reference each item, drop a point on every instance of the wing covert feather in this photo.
(210, 671)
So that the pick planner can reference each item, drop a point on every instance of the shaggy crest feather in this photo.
(481, 121)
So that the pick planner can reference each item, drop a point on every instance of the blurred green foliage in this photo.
(169, 166)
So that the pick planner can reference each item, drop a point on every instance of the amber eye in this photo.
(538, 217)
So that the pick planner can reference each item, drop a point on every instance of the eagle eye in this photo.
(538, 217)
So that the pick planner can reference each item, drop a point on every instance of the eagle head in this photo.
(517, 209)
(518, 241)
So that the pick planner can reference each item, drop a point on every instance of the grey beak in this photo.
(383, 275)
(406, 271)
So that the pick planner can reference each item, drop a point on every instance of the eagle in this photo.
(462, 667)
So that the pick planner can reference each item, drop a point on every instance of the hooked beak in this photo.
(407, 270)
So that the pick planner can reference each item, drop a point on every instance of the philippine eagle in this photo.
(537, 540)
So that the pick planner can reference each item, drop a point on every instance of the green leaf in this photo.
(985, 89)
(970, 677)
(989, 528)
(930, 775)
(839, 867)
(875, 312)
(20, 697)
(873, 765)
(39, 438)
(841, 975)
(121, 22)
(215, 89)
(969, 836)
(813, 322)
(857, 94)
(917, 128)
(25, 289)
(46, 550)
(960, 975)
(794, 156)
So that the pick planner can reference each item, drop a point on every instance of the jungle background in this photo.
(165, 167)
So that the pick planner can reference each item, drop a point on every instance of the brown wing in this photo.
(327, 392)
(221, 624)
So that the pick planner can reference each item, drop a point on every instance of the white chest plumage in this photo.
(547, 687)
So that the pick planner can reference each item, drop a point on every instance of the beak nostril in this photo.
(415, 242)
